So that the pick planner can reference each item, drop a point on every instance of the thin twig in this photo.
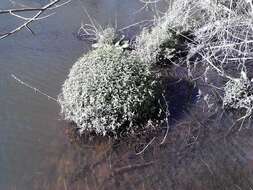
(33, 88)
(28, 18)
(31, 9)
(20, 10)
(207, 165)
(145, 147)
(136, 24)
(132, 167)
(167, 114)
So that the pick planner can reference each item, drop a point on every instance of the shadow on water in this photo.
(181, 95)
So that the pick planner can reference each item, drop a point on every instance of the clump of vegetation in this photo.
(221, 50)
(107, 89)
(239, 94)
(106, 36)
(180, 21)
(113, 85)
(149, 43)
(225, 38)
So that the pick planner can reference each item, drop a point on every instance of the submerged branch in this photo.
(138, 153)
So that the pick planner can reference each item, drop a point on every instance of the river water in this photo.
(30, 125)
(35, 151)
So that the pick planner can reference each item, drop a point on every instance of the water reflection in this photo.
(209, 161)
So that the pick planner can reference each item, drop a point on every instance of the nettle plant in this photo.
(108, 89)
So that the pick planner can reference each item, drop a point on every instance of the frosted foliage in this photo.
(106, 36)
(105, 89)
(224, 43)
(192, 14)
(148, 43)
(239, 94)
(184, 15)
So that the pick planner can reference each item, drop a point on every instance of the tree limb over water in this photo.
(50, 6)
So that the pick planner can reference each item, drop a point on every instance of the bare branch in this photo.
(150, 142)
(28, 18)
(50, 6)
(33, 88)
(167, 114)
(31, 9)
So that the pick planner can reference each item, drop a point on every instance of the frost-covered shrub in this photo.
(193, 14)
(106, 36)
(106, 89)
(184, 15)
(239, 93)
(224, 43)
(241, 7)
(149, 42)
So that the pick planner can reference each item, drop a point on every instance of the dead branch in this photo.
(31, 9)
(132, 167)
(33, 88)
(167, 114)
(50, 6)
(150, 142)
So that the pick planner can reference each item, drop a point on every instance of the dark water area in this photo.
(180, 95)
(39, 152)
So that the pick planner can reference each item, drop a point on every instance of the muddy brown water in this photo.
(36, 152)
